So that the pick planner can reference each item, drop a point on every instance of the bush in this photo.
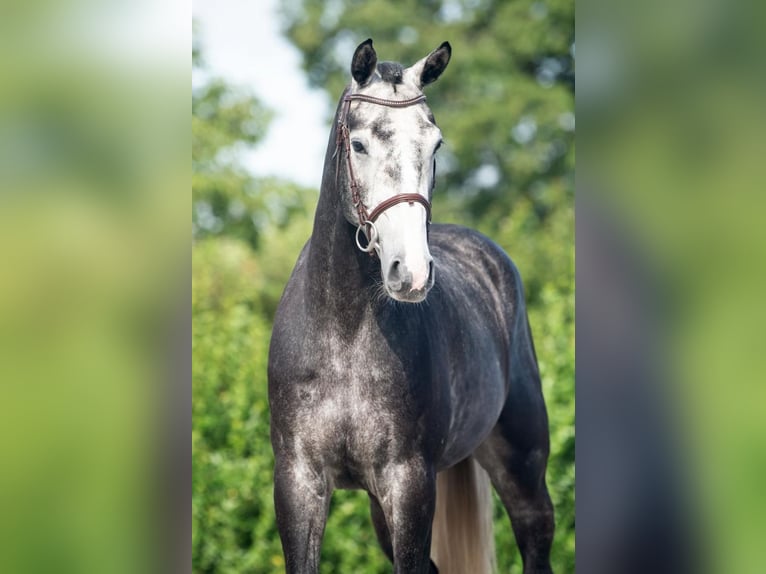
(233, 528)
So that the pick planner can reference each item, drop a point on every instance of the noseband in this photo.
(343, 141)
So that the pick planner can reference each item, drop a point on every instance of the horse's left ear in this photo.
(431, 67)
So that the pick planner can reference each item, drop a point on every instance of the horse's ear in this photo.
(431, 67)
(364, 61)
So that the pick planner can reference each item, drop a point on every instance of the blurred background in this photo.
(95, 330)
(670, 282)
(266, 79)
(93, 283)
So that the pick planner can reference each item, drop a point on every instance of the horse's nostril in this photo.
(430, 271)
(395, 271)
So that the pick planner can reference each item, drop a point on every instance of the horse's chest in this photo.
(352, 405)
(352, 420)
(357, 403)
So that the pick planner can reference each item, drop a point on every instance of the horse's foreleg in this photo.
(381, 527)
(407, 506)
(301, 501)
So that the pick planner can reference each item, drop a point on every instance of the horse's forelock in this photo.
(391, 72)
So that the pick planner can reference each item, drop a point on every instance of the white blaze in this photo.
(401, 162)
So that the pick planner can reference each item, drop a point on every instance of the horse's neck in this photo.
(340, 276)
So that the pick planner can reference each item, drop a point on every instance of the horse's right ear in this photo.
(363, 63)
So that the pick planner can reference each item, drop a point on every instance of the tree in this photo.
(226, 199)
(247, 233)
(505, 104)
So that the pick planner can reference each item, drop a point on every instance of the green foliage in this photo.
(505, 107)
(232, 511)
(504, 104)
(247, 232)
(350, 543)
(226, 198)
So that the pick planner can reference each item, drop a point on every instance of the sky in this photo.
(242, 43)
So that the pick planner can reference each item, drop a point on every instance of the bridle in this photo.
(343, 142)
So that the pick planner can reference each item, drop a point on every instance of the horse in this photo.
(401, 360)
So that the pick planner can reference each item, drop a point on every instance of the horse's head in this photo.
(387, 139)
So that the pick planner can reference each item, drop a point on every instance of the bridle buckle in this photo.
(372, 237)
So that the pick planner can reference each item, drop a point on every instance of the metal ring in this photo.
(372, 238)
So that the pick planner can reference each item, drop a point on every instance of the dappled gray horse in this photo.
(401, 354)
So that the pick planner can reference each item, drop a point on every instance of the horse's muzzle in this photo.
(402, 284)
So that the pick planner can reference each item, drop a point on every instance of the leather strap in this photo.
(410, 198)
(384, 102)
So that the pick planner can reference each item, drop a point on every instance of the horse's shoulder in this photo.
(445, 234)
(471, 249)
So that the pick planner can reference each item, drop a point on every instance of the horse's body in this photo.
(371, 394)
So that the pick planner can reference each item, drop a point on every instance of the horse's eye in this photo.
(358, 147)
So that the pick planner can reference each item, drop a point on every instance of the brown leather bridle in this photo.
(343, 142)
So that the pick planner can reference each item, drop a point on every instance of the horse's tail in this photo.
(463, 541)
